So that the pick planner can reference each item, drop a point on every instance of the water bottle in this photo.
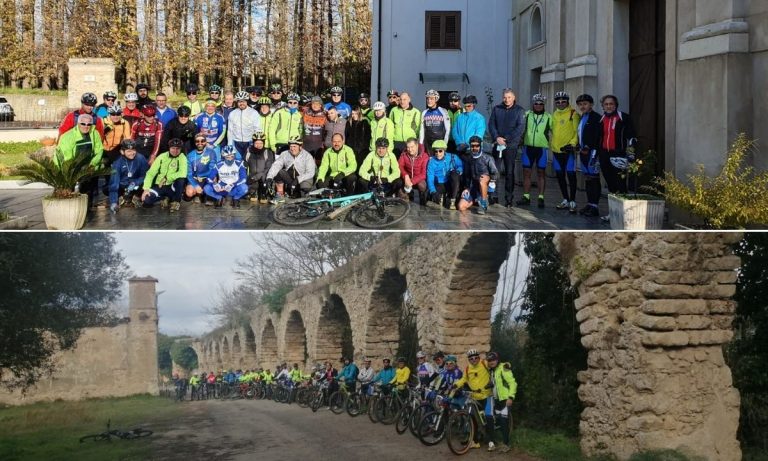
(492, 187)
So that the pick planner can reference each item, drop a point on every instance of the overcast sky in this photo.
(190, 266)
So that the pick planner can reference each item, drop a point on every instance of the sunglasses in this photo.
(561, 101)
(110, 99)
(474, 145)
(193, 93)
(86, 124)
(214, 92)
(293, 103)
(439, 150)
(538, 103)
(200, 141)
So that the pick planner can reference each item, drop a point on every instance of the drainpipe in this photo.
(378, 79)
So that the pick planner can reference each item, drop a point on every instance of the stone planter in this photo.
(14, 223)
(635, 214)
(65, 214)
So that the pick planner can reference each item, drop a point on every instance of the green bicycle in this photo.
(371, 210)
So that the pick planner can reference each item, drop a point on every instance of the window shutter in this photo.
(451, 29)
(435, 29)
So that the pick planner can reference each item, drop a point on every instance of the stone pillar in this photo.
(654, 313)
(95, 75)
(142, 334)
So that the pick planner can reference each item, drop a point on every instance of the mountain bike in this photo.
(371, 210)
(463, 425)
(110, 433)
(388, 405)
(359, 401)
(431, 428)
(320, 396)
(338, 400)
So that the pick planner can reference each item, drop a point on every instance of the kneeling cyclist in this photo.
(380, 168)
(483, 174)
(227, 179)
(165, 178)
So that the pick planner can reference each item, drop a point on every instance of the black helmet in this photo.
(128, 144)
(401, 359)
(184, 111)
(276, 88)
(192, 88)
(438, 355)
(175, 142)
(475, 139)
(89, 99)
(470, 99)
(585, 98)
(363, 96)
(142, 86)
(382, 142)
(491, 356)
(454, 96)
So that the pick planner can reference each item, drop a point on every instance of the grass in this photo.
(52, 431)
(7, 90)
(13, 154)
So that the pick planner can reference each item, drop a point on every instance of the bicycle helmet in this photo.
(293, 97)
(192, 88)
(142, 86)
(214, 88)
(421, 355)
(336, 90)
(401, 360)
(450, 358)
(382, 142)
(439, 144)
(128, 144)
(228, 151)
(241, 96)
(264, 101)
(275, 88)
(109, 94)
(470, 99)
(115, 109)
(316, 99)
(472, 352)
(295, 140)
(538, 97)
(491, 356)
(378, 105)
(585, 98)
(131, 97)
(438, 355)
(184, 111)
(363, 96)
(454, 96)
(620, 163)
(562, 95)
(476, 139)
(392, 93)
(210, 102)
(175, 142)
(433, 93)
(259, 136)
(148, 110)
(89, 99)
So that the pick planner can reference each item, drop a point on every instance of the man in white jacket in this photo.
(242, 123)
(292, 173)
(365, 376)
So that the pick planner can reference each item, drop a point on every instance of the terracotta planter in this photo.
(47, 142)
(65, 214)
(635, 214)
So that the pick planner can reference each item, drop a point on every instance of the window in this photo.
(536, 32)
(443, 30)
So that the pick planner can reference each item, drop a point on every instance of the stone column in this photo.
(95, 75)
(654, 313)
(142, 333)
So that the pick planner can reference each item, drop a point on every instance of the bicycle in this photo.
(110, 433)
(320, 396)
(431, 427)
(406, 413)
(359, 401)
(338, 400)
(371, 210)
(462, 426)
(388, 405)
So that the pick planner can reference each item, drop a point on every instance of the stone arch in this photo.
(382, 330)
(237, 357)
(334, 331)
(250, 342)
(295, 340)
(226, 353)
(217, 356)
(269, 355)
(536, 26)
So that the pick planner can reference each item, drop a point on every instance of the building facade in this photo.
(690, 72)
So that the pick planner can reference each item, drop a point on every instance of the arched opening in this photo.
(536, 32)
(382, 333)
(237, 357)
(225, 353)
(217, 357)
(184, 358)
(334, 332)
(250, 341)
(295, 340)
(268, 357)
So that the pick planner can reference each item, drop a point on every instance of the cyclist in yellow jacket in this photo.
(565, 138)
(477, 378)
(402, 374)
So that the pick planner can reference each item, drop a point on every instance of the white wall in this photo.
(485, 54)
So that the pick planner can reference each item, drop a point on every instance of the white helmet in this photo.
(538, 97)
(378, 105)
(131, 97)
(432, 92)
(472, 352)
(620, 163)
(420, 355)
(241, 96)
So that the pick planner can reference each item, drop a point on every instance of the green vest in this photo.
(407, 123)
(537, 129)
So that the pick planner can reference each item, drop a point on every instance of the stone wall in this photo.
(106, 361)
(27, 107)
(654, 313)
(95, 75)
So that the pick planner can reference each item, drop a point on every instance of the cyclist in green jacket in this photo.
(381, 125)
(407, 122)
(338, 166)
(165, 178)
(286, 123)
(504, 391)
(380, 168)
(538, 131)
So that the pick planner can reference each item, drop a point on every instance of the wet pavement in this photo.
(255, 216)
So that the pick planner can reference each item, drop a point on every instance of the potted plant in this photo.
(734, 199)
(634, 211)
(66, 207)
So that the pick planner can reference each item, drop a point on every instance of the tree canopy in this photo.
(53, 285)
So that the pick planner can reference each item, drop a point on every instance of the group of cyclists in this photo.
(412, 398)
(267, 147)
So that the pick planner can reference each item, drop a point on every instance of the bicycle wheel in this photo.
(431, 428)
(95, 437)
(337, 402)
(403, 419)
(372, 409)
(389, 211)
(416, 417)
(317, 401)
(386, 410)
(354, 404)
(460, 432)
(298, 213)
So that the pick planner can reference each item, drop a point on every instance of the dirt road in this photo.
(248, 430)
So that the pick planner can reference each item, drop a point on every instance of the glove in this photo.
(107, 129)
(339, 178)
(384, 181)
(319, 184)
(217, 187)
(229, 187)
(436, 197)
(131, 187)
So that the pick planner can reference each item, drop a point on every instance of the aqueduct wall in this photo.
(654, 309)
(106, 361)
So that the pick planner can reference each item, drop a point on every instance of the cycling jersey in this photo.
(349, 373)
(166, 170)
(228, 174)
(537, 129)
(313, 129)
(425, 371)
(382, 128)
(448, 378)
(213, 126)
(401, 376)
(468, 124)
(295, 375)
(242, 124)
(147, 137)
(365, 375)
(477, 378)
(435, 124)
(385, 375)
(73, 142)
(200, 165)
(333, 163)
(407, 122)
(284, 126)
(565, 128)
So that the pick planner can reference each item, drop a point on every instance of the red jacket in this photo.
(147, 137)
(416, 167)
(69, 122)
